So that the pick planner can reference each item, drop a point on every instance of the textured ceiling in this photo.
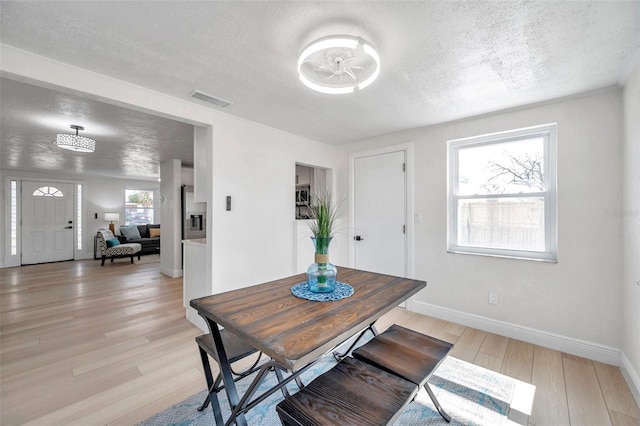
(129, 144)
(441, 60)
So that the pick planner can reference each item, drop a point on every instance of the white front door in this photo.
(380, 213)
(47, 222)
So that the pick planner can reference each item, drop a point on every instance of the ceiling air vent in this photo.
(210, 99)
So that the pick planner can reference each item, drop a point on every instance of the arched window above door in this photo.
(47, 191)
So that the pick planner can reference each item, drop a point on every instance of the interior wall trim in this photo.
(631, 376)
(590, 350)
(173, 273)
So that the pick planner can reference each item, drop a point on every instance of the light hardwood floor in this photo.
(84, 344)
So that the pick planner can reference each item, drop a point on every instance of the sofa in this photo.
(148, 236)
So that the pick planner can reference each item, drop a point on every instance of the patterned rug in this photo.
(471, 395)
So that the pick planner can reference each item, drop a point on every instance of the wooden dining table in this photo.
(295, 332)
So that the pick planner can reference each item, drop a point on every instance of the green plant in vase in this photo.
(321, 275)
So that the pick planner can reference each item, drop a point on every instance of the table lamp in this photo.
(112, 217)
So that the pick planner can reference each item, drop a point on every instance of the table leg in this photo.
(239, 406)
(340, 356)
(212, 386)
(225, 370)
(246, 403)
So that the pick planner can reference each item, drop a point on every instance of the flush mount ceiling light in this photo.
(338, 64)
(75, 142)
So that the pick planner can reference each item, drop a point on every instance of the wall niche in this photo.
(309, 180)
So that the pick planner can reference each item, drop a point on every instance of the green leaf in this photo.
(323, 214)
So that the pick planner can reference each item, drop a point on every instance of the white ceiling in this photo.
(440, 61)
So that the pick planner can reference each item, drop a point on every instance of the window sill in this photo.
(503, 256)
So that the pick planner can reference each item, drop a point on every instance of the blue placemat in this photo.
(342, 291)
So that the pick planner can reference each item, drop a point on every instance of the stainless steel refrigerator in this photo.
(194, 216)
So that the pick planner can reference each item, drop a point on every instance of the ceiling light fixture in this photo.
(338, 64)
(75, 142)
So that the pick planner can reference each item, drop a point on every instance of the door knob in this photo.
(358, 238)
(68, 227)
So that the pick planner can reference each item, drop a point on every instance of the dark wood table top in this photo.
(295, 331)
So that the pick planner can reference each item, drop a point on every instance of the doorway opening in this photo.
(309, 180)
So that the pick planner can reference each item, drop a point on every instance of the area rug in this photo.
(471, 395)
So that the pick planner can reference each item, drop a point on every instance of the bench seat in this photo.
(407, 354)
(351, 393)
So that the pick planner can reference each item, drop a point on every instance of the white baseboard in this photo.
(197, 320)
(173, 273)
(631, 376)
(566, 344)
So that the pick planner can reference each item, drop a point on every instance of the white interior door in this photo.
(47, 222)
(380, 213)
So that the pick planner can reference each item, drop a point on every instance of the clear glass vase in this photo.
(321, 275)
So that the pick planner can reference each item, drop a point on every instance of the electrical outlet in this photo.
(493, 298)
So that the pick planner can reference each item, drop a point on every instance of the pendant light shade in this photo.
(75, 142)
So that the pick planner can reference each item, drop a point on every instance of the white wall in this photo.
(578, 297)
(255, 165)
(630, 217)
(186, 176)
(100, 195)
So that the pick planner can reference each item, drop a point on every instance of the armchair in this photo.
(110, 247)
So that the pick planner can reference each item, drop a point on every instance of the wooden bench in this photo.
(407, 354)
(351, 393)
(236, 350)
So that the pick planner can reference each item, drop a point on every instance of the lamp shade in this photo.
(75, 142)
(112, 217)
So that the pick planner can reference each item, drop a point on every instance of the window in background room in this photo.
(502, 194)
(79, 216)
(14, 217)
(138, 206)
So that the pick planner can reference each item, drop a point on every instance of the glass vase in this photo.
(321, 275)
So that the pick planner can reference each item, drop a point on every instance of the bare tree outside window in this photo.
(524, 170)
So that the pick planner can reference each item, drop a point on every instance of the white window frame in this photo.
(549, 134)
(154, 208)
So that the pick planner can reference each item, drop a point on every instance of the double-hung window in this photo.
(502, 194)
